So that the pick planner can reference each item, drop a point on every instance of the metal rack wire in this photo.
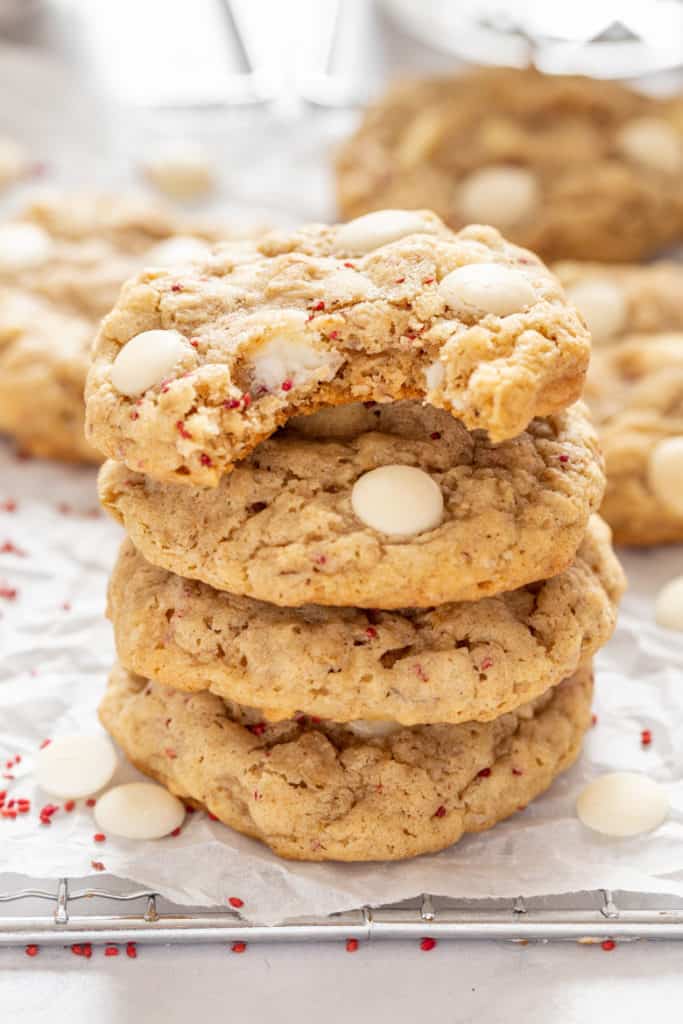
(603, 915)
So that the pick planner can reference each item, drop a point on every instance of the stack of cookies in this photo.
(363, 581)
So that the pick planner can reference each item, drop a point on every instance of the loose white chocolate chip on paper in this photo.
(178, 250)
(665, 473)
(23, 247)
(139, 810)
(622, 804)
(487, 288)
(373, 230)
(652, 143)
(602, 305)
(502, 195)
(400, 501)
(669, 605)
(146, 360)
(75, 766)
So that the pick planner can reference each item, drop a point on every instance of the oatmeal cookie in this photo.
(570, 167)
(456, 663)
(292, 525)
(318, 791)
(193, 369)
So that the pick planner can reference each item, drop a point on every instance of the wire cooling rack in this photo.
(64, 914)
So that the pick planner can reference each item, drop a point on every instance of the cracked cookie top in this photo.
(193, 369)
(469, 661)
(305, 520)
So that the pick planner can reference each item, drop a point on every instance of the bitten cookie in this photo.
(192, 370)
(570, 167)
(456, 663)
(636, 392)
(62, 262)
(309, 519)
(317, 791)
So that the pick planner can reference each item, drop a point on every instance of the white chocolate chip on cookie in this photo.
(487, 288)
(23, 247)
(75, 766)
(145, 360)
(622, 804)
(368, 730)
(602, 305)
(179, 249)
(669, 605)
(501, 195)
(283, 362)
(665, 473)
(400, 501)
(652, 143)
(139, 810)
(373, 230)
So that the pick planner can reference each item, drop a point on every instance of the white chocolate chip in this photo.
(13, 162)
(348, 285)
(665, 473)
(434, 375)
(669, 605)
(368, 730)
(181, 249)
(146, 360)
(602, 304)
(23, 247)
(652, 143)
(501, 195)
(400, 501)
(623, 804)
(487, 288)
(75, 766)
(139, 810)
(181, 169)
(291, 361)
(373, 230)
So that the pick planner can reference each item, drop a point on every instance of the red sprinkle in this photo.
(440, 812)
(233, 403)
(90, 802)
(97, 865)
(205, 459)
(436, 436)
(486, 664)
(564, 458)
(287, 385)
(317, 306)
(9, 593)
(608, 945)
(428, 280)
(348, 264)
(258, 729)
(235, 902)
(45, 743)
(9, 548)
(399, 280)
(100, 837)
(131, 950)
(69, 805)
(31, 951)
(351, 945)
(517, 771)
(239, 947)
(176, 287)
(594, 719)
(646, 737)
(111, 951)
(9, 505)
(484, 773)
(176, 831)
(170, 754)
(182, 430)
(427, 944)
(135, 415)
(371, 632)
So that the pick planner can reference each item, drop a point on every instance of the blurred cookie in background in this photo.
(63, 259)
(568, 166)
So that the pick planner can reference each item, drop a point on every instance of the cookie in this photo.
(317, 791)
(63, 260)
(616, 301)
(192, 370)
(303, 519)
(636, 393)
(570, 167)
(456, 663)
